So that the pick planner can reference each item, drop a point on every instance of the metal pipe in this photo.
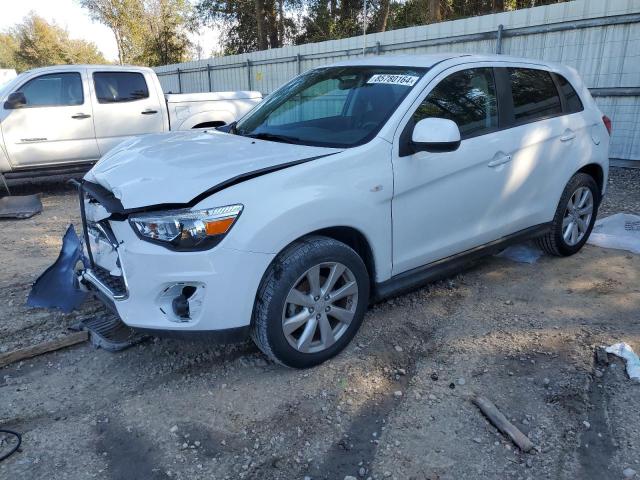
(249, 73)
(499, 39)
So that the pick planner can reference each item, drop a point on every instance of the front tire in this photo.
(311, 302)
(574, 218)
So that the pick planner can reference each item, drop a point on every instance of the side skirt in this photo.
(417, 277)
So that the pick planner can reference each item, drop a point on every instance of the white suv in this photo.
(350, 183)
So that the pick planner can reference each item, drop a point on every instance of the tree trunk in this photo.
(281, 22)
(260, 25)
(435, 12)
(385, 5)
(497, 5)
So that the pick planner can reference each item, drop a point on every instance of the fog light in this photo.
(181, 302)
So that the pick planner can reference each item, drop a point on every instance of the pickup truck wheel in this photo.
(574, 218)
(311, 302)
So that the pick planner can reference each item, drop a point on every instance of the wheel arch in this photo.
(596, 171)
(350, 236)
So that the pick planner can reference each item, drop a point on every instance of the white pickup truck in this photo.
(63, 118)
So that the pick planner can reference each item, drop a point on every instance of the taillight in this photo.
(607, 123)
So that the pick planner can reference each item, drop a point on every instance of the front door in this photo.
(55, 126)
(448, 202)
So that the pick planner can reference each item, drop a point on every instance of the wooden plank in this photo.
(39, 349)
(500, 421)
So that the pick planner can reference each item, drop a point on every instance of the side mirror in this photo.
(435, 135)
(15, 100)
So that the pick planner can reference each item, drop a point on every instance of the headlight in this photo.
(186, 229)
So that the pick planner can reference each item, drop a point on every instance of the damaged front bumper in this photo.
(209, 294)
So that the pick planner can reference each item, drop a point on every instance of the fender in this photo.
(206, 116)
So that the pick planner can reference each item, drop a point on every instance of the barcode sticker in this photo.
(390, 79)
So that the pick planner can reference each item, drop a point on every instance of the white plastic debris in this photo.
(620, 231)
(522, 253)
(623, 350)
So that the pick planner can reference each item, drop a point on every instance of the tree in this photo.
(125, 19)
(166, 37)
(37, 43)
(250, 25)
(8, 49)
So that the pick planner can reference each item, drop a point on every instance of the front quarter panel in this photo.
(352, 188)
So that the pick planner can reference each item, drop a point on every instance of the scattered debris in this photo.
(624, 351)
(521, 253)
(620, 231)
(21, 207)
(629, 473)
(501, 423)
(110, 333)
(15, 448)
(45, 347)
(58, 286)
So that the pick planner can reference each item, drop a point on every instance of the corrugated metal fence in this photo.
(601, 39)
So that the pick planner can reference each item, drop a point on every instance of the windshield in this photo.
(331, 107)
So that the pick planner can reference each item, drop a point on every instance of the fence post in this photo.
(209, 76)
(377, 48)
(249, 73)
(179, 81)
(299, 60)
(499, 39)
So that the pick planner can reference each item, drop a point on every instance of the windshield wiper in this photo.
(273, 137)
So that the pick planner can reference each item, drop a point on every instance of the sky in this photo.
(68, 14)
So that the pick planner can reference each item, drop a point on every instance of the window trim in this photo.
(563, 98)
(57, 105)
(95, 90)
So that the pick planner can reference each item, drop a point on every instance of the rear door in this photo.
(55, 126)
(125, 104)
(540, 140)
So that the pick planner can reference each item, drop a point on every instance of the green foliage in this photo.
(37, 43)
(251, 25)
(147, 32)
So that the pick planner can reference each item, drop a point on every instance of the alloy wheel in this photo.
(320, 307)
(577, 216)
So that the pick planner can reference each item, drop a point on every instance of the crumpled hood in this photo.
(176, 167)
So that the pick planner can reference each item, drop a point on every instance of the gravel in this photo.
(88, 413)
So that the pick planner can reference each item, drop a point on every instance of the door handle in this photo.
(499, 161)
(80, 116)
(149, 112)
(568, 136)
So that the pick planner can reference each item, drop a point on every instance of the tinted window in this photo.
(114, 87)
(572, 100)
(55, 89)
(468, 98)
(332, 106)
(534, 94)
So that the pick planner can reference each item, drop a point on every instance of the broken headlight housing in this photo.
(186, 230)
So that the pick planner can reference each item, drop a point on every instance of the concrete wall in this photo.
(600, 38)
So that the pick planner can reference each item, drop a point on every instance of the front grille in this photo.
(115, 284)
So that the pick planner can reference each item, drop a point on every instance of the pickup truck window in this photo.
(332, 107)
(54, 90)
(116, 87)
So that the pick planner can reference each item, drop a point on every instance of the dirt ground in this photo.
(394, 405)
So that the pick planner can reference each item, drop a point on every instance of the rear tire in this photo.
(311, 302)
(574, 217)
